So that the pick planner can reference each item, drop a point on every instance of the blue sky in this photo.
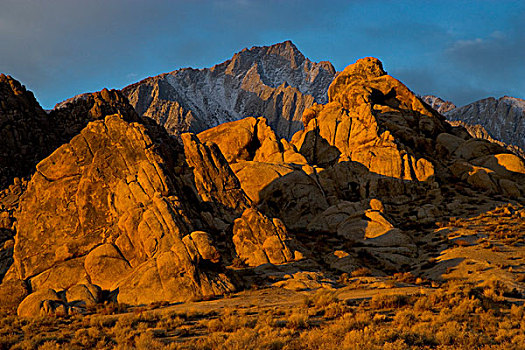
(459, 50)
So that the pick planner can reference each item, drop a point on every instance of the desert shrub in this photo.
(388, 301)
(146, 341)
(361, 272)
(49, 345)
(516, 312)
(110, 308)
(243, 338)
(170, 323)
(8, 340)
(405, 318)
(335, 309)
(321, 299)
(83, 338)
(102, 321)
(298, 319)
(229, 322)
(405, 277)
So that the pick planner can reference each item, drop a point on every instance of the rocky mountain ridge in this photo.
(503, 118)
(276, 81)
(497, 120)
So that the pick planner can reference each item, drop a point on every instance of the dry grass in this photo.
(457, 316)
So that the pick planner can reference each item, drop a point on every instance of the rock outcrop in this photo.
(109, 208)
(373, 119)
(29, 134)
(276, 81)
(24, 131)
(259, 240)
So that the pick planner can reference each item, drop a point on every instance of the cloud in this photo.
(495, 61)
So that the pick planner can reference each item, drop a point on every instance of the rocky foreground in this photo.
(103, 205)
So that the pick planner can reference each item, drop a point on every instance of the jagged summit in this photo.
(286, 49)
(275, 81)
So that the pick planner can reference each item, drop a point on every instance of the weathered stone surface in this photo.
(83, 295)
(256, 176)
(112, 197)
(295, 198)
(170, 276)
(29, 134)
(72, 115)
(200, 247)
(363, 102)
(39, 303)
(503, 119)
(378, 225)
(505, 165)
(251, 139)
(330, 219)
(62, 275)
(24, 131)
(449, 142)
(105, 265)
(214, 179)
(259, 240)
(475, 148)
(237, 140)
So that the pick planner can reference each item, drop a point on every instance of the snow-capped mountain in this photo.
(276, 82)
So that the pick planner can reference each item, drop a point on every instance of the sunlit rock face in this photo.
(29, 134)
(276, 82)
(373, 119)
(110, 208)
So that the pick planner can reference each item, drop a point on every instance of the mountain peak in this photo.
(276, 81)
(286, 49)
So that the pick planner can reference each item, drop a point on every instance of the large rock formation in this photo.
(373, 119)
(259, 240)
(71, 116)
(29, 135)
(479, 132)
(276, 81)
(111, 208)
